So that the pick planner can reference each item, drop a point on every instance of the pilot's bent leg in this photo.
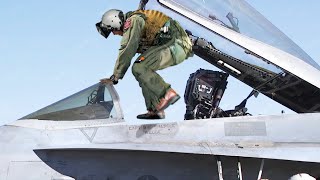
(152, 84)
(144, 69)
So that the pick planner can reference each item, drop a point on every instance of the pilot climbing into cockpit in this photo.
(161, 43)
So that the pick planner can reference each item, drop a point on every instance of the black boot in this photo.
(152, 115)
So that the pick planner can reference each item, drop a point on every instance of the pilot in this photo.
(161, 43)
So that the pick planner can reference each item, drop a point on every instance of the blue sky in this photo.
(50, 50)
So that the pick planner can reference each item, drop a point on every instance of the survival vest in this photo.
(155, 20)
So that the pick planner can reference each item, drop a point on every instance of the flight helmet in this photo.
(111, 20)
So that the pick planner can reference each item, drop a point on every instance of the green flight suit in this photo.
(166, 52)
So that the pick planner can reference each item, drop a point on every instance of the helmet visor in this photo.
(102, 30)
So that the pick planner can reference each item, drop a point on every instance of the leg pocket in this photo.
(178, 53)
(166, 59)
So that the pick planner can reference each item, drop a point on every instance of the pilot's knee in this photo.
(137, 69)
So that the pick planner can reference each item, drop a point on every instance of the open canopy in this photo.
(239, 16)
(236, 15)
(247, 46)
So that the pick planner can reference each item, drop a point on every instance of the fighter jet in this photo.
(86, 136)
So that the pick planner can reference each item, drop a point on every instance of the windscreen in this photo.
(94, 102)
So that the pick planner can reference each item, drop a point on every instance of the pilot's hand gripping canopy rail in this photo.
(112, 20)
